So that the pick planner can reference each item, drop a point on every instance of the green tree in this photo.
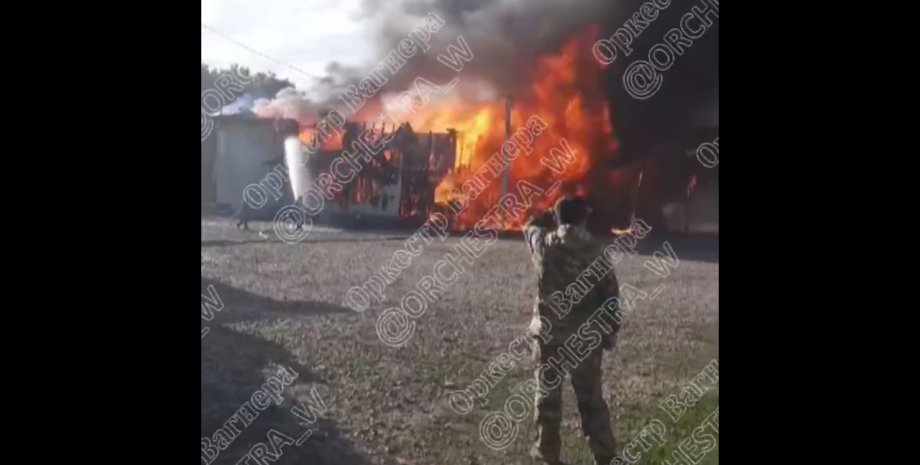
(261, 85)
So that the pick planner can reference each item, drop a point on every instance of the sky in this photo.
(306, 35)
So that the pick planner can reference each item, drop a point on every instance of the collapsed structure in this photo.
(246, 156)
(246, 159)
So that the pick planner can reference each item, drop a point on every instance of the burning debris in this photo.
(354, 170)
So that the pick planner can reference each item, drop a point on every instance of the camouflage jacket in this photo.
(569, 288)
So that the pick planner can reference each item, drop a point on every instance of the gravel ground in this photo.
(283, 304)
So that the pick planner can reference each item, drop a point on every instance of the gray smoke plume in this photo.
(504, 36)
(242, 104)
(288, 103)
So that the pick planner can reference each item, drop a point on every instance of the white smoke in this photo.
(289, 103)
(296, 162)
(242, 104)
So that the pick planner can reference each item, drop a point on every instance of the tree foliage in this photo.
(261, 85)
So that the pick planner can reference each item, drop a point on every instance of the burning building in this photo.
(395, 186)
(627, 156)
(264, 159)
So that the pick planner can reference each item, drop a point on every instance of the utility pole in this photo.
(507, 172)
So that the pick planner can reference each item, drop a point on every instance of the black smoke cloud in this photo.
(687, 104)
(506, 36)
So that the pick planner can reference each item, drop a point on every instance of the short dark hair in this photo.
(571, 210)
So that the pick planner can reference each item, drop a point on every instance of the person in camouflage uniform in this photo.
(560, 257)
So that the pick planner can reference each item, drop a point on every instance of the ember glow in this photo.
(565, 92)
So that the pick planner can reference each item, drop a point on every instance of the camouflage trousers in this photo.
(586, 381)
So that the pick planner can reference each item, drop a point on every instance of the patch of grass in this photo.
(497, 397)
(631, 418)
(680, 430)
(576, 451)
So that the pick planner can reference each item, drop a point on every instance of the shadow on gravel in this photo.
(233, 367)
(239, 304)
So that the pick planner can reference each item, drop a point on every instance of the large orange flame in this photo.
(566, 93)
